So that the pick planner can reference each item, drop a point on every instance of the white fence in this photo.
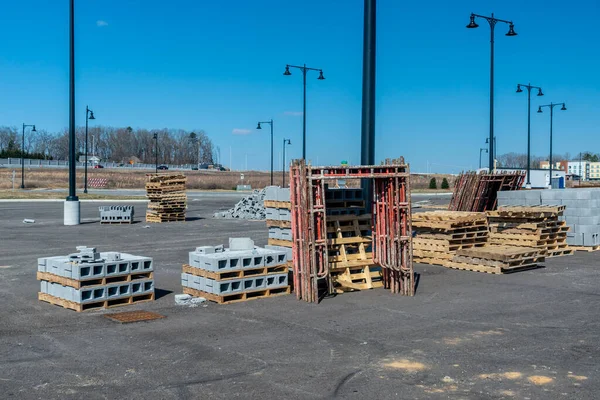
(33, 163)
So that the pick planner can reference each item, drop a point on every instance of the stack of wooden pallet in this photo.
(496, 259)
(440, 234)
(167, 198)
(350, 256)
(530, 226)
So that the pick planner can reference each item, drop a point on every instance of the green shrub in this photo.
(432, 184)
(445, 184)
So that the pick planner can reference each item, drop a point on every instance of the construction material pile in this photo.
(582, 213)
(530, 226)
(238, 273)
(91, 280)
(440, 234)
(249, 207)
(478, 192)
(167, 197)
(116, 214)
(279, 219)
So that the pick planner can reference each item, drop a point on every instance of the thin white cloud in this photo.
(240, 131)
(293, 113)
(101, 23)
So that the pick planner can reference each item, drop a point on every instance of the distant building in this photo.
(580, 169)
(594, 171)
(558, 166)
(93, 160)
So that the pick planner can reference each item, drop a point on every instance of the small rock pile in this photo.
(249, 207)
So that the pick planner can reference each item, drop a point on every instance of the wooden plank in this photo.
(279, 242)
(278, 204)
(95, 305)
(279, 224)
(588, 249)
(228, 275)
(487, 269)
(238, 297)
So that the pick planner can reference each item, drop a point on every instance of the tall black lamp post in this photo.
(155, 137)
(23, 154)
(304, 70)
(511, 32)
(283, 168)
(71, 206)
(89, 114)
(551, 107)
(480, 150)
(540, 93)
(270, 122)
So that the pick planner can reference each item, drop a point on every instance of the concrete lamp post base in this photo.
(72, 211)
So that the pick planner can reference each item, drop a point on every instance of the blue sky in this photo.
(217, 66)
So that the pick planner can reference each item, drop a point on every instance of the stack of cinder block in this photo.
(344, 201)
(279, 219)
(238, 273)
(90, 280)
(582, 213)
(530, 226)
(167, 197)
(116, 214)
(440, 234)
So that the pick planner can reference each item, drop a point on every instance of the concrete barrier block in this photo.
(236, 244)
(591, 240)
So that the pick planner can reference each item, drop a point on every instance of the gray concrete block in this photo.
(285, 214)
(274, 281)
(272, 213)
(587, 229)
(89, 295)
(283, 194)
(591, 239)
(271, 193)
(274, 232)
(285, 234)
(237, 244)
(286, 250)
(589, 220)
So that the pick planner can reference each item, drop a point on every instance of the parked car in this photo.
(98, 166)
(162, 167)
(194, 168)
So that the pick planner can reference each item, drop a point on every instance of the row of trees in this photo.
(518, 160)
(175, 146)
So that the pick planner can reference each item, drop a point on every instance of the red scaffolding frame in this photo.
(391, 225)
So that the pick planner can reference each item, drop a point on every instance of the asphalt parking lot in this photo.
(465, 335)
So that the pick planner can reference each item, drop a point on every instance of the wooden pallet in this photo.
(242, 273)
(432, 254)
(589, 249)
(167, 219)
(71, 305)
(77, 284)
(500, 253)
(279, 242)
(116, 222)
(278, 224)
(560, 252)
(357, 278)
(238, 297)
(431, 261)
(489, 269)
(278, 204)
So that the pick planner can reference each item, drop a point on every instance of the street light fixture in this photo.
(89, 114)
(551, 107)
(511, 32)
(285, 141)
(270, 122)
(487, 141)
(23, 154)
(480, 150)
(304, 70)
(540, 93)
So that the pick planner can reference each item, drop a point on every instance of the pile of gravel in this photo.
(249, 207)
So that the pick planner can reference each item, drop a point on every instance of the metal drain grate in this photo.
(133, 316)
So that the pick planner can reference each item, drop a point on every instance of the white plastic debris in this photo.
(29, 221)
(183, 299)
